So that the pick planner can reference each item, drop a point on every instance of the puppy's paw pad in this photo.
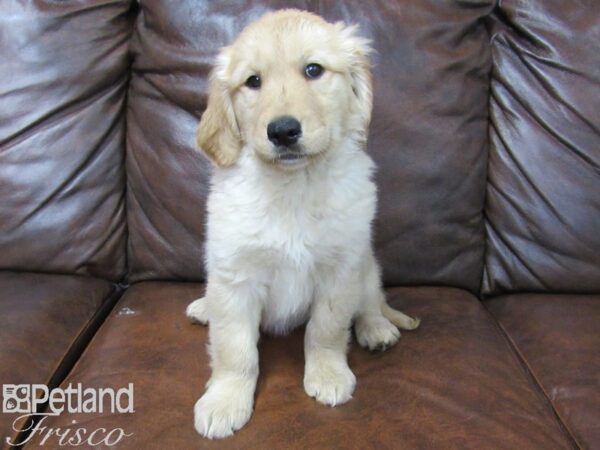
(331, 385)
(217, 416)
(376, 334)
(196, 311)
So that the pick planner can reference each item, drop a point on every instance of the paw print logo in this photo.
(16, 398)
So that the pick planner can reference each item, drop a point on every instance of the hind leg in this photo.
(374, 332)
(196, 311)
(376, 327)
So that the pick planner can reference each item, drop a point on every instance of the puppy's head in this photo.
(290, 88)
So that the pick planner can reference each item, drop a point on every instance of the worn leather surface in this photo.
(453, 384)
(559, 338)
(63, 82)
(40, 317)
(543, 202)
(428, 135)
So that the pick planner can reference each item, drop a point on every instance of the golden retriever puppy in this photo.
(289, 211)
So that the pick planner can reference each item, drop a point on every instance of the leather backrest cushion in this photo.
(428, 134)
(63, 79)
(543, 199)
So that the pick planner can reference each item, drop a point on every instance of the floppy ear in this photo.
(218, 133)
(359, 51)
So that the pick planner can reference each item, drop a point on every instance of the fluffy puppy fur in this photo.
(289, 221)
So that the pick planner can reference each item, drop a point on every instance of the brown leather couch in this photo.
(486, 132)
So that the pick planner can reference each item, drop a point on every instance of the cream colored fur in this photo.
(289, 242)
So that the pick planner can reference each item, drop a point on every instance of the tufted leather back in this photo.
(485, 131)
(543, 196)
(428, 134)
(63, 80)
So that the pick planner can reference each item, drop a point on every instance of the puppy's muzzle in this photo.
(284, 131)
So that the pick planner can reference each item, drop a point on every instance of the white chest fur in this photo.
(281, 232)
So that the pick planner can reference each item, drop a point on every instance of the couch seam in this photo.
(135, 13)
(484, 272)
(87, 332)
(73, 352)
(533, 379)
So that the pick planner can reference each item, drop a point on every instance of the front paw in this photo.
(330, 383)
(224, 408)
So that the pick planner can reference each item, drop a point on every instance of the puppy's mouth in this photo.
(289, 156)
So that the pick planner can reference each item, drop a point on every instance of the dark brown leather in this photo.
(428, 134)
(453, 384)
(41, 317)
(558, 336)
(63, 81)
(456, 382)
(543, 200)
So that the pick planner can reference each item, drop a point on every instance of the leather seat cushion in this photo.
(559, 338)
(454, 383)
(41, 319)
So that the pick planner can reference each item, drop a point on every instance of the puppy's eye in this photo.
(313, 70)
(253, 82)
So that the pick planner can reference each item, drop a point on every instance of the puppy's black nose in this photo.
(284, 131)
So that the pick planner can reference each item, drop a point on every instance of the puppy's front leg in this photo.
(327, 376)
(226, 405)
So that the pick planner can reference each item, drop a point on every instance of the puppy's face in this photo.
(290, 88)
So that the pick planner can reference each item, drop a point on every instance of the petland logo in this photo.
(27, 399)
